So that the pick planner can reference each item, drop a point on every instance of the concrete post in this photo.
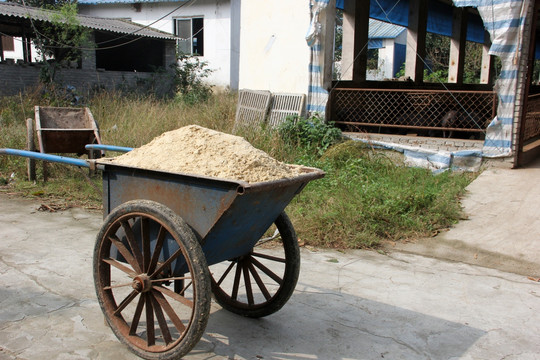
(235, 44)
(347, 45)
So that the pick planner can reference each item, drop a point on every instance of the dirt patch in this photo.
(200, 151)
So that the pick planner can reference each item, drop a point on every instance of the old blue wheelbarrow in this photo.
(170, 240)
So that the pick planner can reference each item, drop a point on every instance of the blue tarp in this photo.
(435, 160)
(439, 17)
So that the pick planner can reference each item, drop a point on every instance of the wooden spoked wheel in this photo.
(151, 280)
(261, 282)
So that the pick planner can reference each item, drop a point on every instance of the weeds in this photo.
(135, 120)
(130, 120)
(313, 135)
(365, 198)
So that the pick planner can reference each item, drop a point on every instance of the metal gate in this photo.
(436, 113)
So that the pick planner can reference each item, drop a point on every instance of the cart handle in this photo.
(46, 157)
(108, 147)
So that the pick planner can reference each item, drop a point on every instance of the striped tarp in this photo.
(434, 160)
(317, 94)
(504, 20)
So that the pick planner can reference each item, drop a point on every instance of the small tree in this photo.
(190, 73)
(61, 38)
(64, 37)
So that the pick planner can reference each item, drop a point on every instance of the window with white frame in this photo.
(191, 35)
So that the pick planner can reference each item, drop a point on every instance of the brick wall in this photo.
(15, 78)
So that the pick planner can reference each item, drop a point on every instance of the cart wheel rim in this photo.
(134, 260)
(261, 282)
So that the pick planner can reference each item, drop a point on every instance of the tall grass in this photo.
(124, 120)
(13, 114)
(364, 199)
(133, 121)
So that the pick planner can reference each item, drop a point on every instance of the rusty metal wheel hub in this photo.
(142, 283)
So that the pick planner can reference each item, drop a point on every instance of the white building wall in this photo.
(386, 59)
(401, 38)
(274, 54)
(217, 27)
(17, 53)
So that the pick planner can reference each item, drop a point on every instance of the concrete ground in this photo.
(355, 305)
(502, 230)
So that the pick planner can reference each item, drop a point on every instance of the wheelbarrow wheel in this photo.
(30, 146)
(141, 251)
(260, 283)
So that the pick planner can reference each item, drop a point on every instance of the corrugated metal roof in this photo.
(98, 2)
(96, 23)
(383, 30)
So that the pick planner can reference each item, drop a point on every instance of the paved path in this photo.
(503, 226)
(357, 305)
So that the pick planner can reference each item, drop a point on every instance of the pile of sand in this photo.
(200, 151)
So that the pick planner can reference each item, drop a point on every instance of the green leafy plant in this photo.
(190, 75)
(437, 59)
(535, 78)
(312, 134)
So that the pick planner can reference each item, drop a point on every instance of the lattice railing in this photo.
(426, 112)
(532, 118)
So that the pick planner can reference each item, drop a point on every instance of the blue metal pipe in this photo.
(108, 148)
(46, 157)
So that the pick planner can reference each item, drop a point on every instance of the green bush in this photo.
(190, 75)
(312, 134)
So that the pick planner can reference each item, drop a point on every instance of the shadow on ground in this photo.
(320, 324)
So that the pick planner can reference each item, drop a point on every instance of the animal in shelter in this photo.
(458, 119)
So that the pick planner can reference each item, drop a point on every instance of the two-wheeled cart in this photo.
(170, 240)
(60, 130)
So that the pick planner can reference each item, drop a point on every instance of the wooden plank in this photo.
(416, 40)
(457, 46)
